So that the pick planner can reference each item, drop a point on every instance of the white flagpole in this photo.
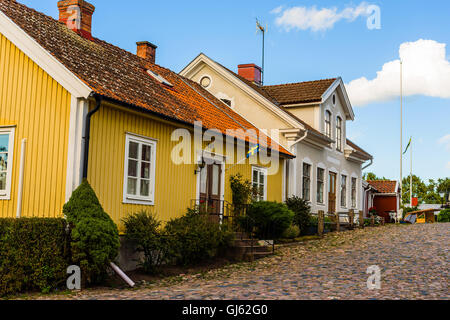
(411, 181)
(401, 133)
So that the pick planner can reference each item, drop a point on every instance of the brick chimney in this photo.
(146, 50)
(250, 72)
(77, 16)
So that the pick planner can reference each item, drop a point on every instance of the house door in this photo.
(332, 193)
(210, 190)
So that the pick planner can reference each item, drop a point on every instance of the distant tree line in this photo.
(427, 192)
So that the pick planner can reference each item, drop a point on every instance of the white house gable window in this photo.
(339, 133)
(328, 124)
(140, 160)
(320, 184)
(354, 181)
(259, 178)
(6, 158)
(306, 181)
(343, 191)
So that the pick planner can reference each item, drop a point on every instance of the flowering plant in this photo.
(373, 211)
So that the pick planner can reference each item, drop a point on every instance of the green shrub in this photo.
(292, 232)
(195, 237)
(95, 237)
(267, 219)
(34, 255)
(302, 211)
(242, 192)
(143, 230)
(444, 216)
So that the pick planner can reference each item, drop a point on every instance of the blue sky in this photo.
(225, 31)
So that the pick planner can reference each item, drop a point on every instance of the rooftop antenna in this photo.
(259, 27)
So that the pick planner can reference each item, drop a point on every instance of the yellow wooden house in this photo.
(73, 106)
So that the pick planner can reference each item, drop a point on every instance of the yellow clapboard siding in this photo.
(40, 109)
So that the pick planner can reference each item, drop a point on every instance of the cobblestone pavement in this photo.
(413, 261)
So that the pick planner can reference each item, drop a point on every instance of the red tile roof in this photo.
(121, 76)
(301, 92)
(384, 186)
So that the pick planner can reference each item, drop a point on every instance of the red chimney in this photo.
(77, 16)
(146, 50)
(250, 72)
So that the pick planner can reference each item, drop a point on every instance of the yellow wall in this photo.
(40, 109)
(175, 186)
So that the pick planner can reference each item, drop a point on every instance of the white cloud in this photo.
(277, 10)
(445, 140)
(448, 166)
(304, 18)
(426, 71)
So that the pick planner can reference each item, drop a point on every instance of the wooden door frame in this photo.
(335, 174)
(219, 159)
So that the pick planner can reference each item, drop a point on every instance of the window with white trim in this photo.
(140, 161)
(259, 182)
(320, 184)
(343, 191)
(354, 183)
(339, 134)
(306, 181)
(328, 124)
(6, 160)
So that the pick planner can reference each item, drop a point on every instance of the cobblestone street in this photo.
(413, 261)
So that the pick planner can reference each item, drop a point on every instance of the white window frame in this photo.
(339, 131)
(328, 130)
(264, 172)
(311, 168)
(323, 185)
(344, 194)
(137, 199)
(356, 192)
(6, 194)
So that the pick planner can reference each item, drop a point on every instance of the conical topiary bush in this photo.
(95, 237)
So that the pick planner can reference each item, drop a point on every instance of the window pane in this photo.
(133, 152)
(215, 181)
(261, 178)
(4, 141)
(132, 168)
(3, 181)
(3, 161)
(145, 188)
(255, 176)
(145, 170)
(146, 153)
(203, 176)
(132, 184)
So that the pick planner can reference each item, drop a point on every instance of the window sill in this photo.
(5, 197)
(139, 202)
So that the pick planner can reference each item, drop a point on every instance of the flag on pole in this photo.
(409, 145)
(253, 151)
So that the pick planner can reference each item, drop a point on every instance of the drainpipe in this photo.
(87, 135)
(21, 175)
(371, 162)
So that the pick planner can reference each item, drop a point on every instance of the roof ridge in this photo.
(301, 82)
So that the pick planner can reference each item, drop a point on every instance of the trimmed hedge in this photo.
(444, 216)
(34, 255)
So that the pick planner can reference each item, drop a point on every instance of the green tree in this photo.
(370, 176)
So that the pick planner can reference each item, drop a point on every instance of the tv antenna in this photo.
(263, 30)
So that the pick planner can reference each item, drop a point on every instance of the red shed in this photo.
(387, 198)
